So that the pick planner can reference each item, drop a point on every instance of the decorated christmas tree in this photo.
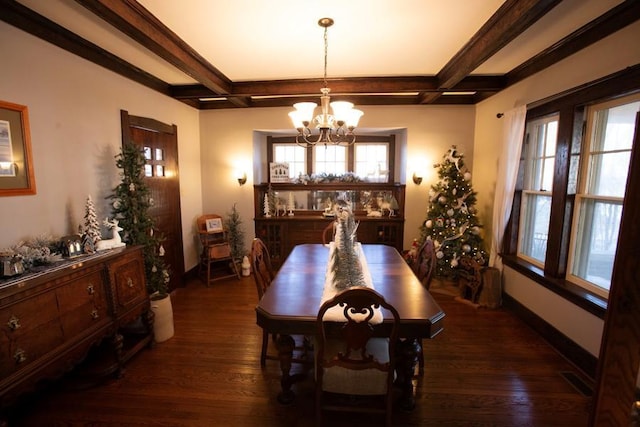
(131, 203)
(451, 221)
(91, 230)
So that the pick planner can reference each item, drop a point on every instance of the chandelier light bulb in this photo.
(337, 120)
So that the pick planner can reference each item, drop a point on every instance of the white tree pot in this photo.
(163, 318)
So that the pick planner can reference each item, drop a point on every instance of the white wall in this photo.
(74, 113)
(611, 54)
(228, 141)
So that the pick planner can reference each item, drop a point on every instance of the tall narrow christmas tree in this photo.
(233, 225)
(91, 229)
(131, 203)
(452, 221)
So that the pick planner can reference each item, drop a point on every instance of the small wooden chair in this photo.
(350, 360)
(216, 252)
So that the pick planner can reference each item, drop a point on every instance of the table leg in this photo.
(407, 359)
(285, 345)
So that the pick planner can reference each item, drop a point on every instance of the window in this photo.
(606, 153)
(539, 156)
(370, 157)
(570, 193)
(292, 154)
(372, 161)
(330, 159)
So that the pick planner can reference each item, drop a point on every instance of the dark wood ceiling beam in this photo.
(615, 19)
(509, 21)
(339, 87)
(22, 17)
(134, 20)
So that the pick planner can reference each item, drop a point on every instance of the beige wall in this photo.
(612, 54)
(228, 138)
(74, 112)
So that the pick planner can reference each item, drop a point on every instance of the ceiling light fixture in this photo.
(336, 128)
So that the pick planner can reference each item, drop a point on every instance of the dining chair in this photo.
(216, 260)
(328, 233)
(423, 267)
(263, 274)
(354, 363)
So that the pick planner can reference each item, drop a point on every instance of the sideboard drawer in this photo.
(128, 277)
(20, 352)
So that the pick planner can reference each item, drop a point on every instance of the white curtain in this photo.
(512, 136)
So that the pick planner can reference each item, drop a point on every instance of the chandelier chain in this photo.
(326, 48)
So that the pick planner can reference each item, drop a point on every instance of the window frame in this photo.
(570, 106)
(584, 196)
(388, 139)
(533, 181)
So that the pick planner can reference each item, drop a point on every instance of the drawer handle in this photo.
(129, 282)
(94, 314)
(13, 323)
(20, 356)
(90, 289)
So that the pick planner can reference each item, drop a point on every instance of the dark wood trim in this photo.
(614, 20)
(580, 358)
(389, 139)
(509, 21)
(37, 25)
(138, 23)
(555, 265)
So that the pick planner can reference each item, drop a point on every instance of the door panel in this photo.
(160, 142)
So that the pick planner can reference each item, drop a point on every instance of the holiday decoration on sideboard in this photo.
(452, 221)
(90, 231)
(130, 206)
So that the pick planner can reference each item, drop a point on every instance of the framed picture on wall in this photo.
(16, 166)
(214, 225)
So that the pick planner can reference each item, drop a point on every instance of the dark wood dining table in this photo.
(290, 305)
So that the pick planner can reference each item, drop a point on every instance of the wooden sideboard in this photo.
(50, 320)
(281, 231)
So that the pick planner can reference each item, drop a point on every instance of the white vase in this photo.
(163, 318)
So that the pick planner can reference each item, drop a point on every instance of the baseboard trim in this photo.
(579, 357)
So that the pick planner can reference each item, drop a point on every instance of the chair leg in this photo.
(263, 353)
(421, 359)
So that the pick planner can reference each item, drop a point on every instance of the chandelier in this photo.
(336, 128)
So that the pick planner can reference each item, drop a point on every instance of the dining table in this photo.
(290, 307)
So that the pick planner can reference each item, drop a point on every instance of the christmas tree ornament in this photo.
(428, 223)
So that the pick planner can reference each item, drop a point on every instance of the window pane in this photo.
(330, 159)
(597, 239)
(536, 209)
(539, 153)
(292, 154)
(610, 148)
(372, 161)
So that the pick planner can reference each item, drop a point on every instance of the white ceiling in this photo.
(253, 40)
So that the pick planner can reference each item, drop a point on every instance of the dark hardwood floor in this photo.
(486, 369)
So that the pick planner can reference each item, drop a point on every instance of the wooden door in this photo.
(160, 142)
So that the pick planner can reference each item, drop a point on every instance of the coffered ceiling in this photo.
(258, 53)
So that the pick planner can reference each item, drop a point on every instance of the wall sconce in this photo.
(242, 178)
(417, 179)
